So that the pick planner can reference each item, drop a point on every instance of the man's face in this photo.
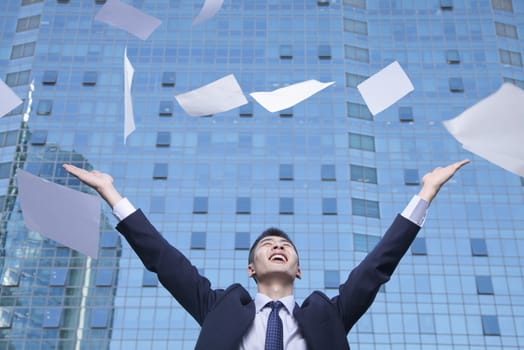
(274, 257)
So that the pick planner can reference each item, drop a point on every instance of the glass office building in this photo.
(326, 171)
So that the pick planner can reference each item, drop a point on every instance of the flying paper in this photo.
(289, 96)
(384, 88)
(8, 99)
(69, 217)
(219, 96)
(493, 128)
(123, 16)
(129, 119)
(209, 10)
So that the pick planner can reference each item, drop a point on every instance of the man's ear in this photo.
(299, 273)
(250, 270)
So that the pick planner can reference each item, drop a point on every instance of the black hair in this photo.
(270, 232)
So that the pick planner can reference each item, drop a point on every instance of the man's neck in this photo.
(275, 290)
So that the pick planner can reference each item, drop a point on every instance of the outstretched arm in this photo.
(433, 181)
(174, 270)
(100, 182)
(362, 285)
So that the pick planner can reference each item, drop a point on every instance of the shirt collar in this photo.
(261, 300)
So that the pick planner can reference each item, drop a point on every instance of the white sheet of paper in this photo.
(8, 99)
(69, 217)
(289, 96)
(210, 9)
(124, 16)
(219, 96)
(129, 118)
(384, 88)
(493, 128)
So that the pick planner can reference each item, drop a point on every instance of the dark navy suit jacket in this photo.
(225, 315)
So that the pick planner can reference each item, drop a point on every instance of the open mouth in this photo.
(281, 258)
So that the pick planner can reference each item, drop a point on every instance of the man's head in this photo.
(273, 254)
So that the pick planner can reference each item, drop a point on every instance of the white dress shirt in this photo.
(254, 339)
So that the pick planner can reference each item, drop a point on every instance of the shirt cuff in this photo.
(123, 209)
(416, 210)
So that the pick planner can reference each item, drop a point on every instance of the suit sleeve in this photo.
(174, 270)
(358, 292)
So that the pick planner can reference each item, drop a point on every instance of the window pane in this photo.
(5, 170)
(99, 318)
(411, 177)
(324, 52)
(327, 172)
(446, 4)
(364, 207)
(286, 51)
(358, 111)
(163, 139)
(50, 77)
(286, 172)
(52, 318)
(109, 239)
(363, 174)
(286, 113)
(329, 206)
(157, 204)
(506, 30)
(355, 26)
(484, 285)
(168, 79)
(198, 240)
(165, 108)
(405, 114)
(352, 80)
(331, 279)
(418, 247)
(456, 85)
(426, 323)
(364, 243)
(356, 53)
(29, 2)
(39, 137)
(45, 107)
(355, 3)
(58, 278)
(243, 205)
(104, 278)
(478, 247)
(246, 110)
(23, 50)
(502, 5)
(6, 318)
(200, 205)
(18, 78)
(90, 78)
(28, 23)
(286, 206)
(160, 171)
(149, 279)
(10, 277)
(490, 325)
(242, 241)
(363, 142)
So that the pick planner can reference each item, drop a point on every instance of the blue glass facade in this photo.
(326, 171)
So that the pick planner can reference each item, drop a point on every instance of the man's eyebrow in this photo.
(274, 238)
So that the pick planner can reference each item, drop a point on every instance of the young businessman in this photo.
(230, 318)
